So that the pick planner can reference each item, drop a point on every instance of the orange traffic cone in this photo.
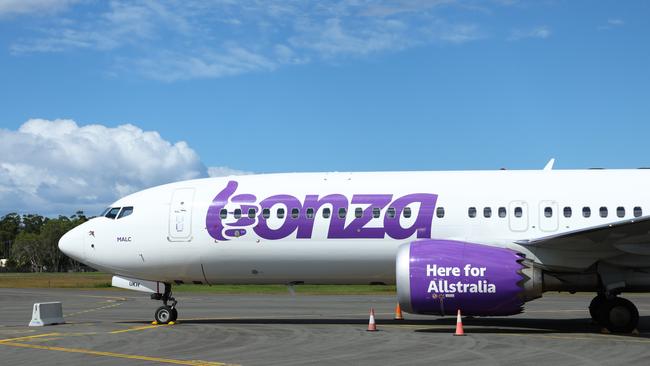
(459, 325)
(398, 313)
(372, 327)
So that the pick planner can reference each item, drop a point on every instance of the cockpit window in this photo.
(112, 213)
(126, 211)
(105, 211)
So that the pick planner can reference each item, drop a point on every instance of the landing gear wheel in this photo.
(164, 314)
(596, 303)
(174, 315)
(618, 315)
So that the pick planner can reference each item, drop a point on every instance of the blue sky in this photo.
(262, 86)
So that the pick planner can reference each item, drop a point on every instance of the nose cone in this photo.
(72, 245)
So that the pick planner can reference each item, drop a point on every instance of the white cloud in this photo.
(207, 64)
(612, 23)
(224, 171)
(190, 39)
(58, 167)
(541, 32)
(460, 33)
(615, 22)
(37, 7)
(332, 37)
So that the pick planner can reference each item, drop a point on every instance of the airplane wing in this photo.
(627, 236)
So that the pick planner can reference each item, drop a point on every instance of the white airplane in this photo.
(484, 242)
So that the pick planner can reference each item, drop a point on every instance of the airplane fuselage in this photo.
(347, 227)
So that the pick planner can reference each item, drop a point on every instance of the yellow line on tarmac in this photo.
(145, 327)
(29, 337)
(111, 305)
(119, 298)
(111, 354)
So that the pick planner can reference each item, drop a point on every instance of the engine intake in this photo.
(441, 276)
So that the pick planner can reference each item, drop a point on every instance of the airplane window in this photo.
(358, 212)
(309, 213)
(223, 213)
(251, 213)
(266, 213)
(502, 212)
(391, 212)
(105, 211)
(548, 212)
(519, 212)
(586, 212)
(603, 211)
(341, 212)
(567, 211)
(440, 212)
(237, 213)
(620, 211)
(376, 212)
(487, 212)
(326, 213)
(407, 212)
(126, 211)
(112, 213)
(280, 213)
(471, 212)
(638, 211)
(295, 213)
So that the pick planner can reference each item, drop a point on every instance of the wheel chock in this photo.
(171, 323)
(635, 332)
(154, 323)
(605, 331)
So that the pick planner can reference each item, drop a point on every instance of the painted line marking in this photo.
(145, 327)
(29, 337)
(118, 298)
(111, 305)
(114, 355)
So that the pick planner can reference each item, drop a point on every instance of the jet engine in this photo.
(441, 276)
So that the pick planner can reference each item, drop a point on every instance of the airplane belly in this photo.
(317, 262)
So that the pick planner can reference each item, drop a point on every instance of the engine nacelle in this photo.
(441, 276)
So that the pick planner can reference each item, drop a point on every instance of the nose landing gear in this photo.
(166, 313)
(617, 314)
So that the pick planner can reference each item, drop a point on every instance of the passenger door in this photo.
(180, 215)
(518, 216)
(548, 216)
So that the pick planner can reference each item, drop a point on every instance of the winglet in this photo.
(549, 165)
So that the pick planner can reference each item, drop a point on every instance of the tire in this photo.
(596, 303)
(163, 314)
(619, 315)
(174, 315)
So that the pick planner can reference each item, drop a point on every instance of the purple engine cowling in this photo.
(441, 276)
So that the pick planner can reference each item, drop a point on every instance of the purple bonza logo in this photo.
(223, 228)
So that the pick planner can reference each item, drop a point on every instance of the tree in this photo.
(9, 228)
(51, 231)
(36, 241)
(27, 252)
(32, 223)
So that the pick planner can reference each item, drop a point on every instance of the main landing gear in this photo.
(617, 314)
(166, 313)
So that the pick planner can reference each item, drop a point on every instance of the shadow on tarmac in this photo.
(487, 325)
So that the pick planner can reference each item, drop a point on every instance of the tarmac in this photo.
(113, 327)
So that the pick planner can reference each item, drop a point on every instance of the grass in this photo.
(98, 280)
(55, 280)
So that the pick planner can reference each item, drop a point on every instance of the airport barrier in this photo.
(47, 313)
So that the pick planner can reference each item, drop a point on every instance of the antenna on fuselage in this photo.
(549, 165)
